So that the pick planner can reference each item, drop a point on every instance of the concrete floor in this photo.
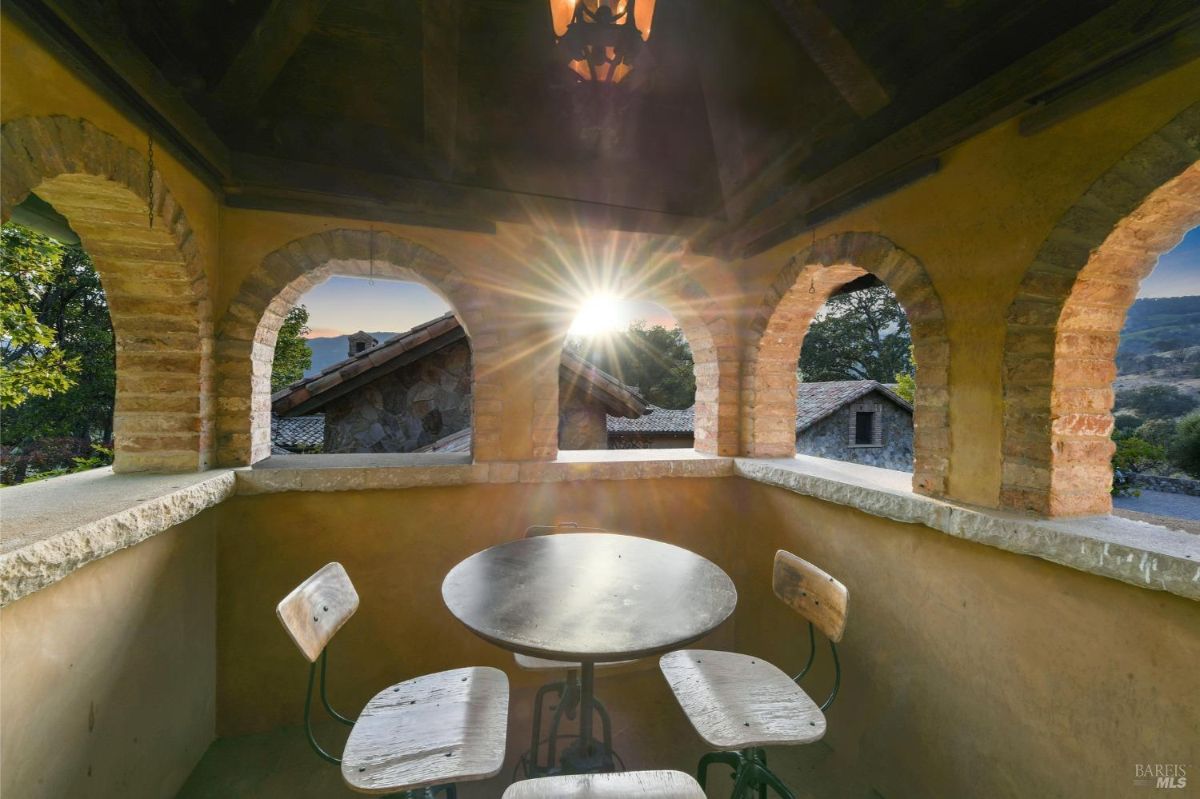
(649, 730)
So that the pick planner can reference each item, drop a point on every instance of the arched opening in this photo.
(149, 264)
(1064, 324)
(402, 385)
(770, 377)
(627, 379)
(250, 329)
(856, 379)
(1156, 465)
(59, 356)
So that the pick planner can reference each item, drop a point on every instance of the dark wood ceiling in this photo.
(754, 114)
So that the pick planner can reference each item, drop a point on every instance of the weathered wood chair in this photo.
(621, 785)
(416, 736)
(566, 690)
(739, 703)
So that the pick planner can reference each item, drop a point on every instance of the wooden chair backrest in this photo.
(562, 527)
(318, 608)
(812, 593)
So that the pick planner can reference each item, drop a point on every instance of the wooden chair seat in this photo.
(623, 785)
(739, 701)
(431, 730)
(530, 663)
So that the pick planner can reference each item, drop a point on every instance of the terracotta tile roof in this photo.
(657, 420)
(304, 396)
(814, 401)
(304, 392)
(291, 433)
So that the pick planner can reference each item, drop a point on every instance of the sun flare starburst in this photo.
(600, 314)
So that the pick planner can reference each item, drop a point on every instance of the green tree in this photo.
(859, 336)
(34, 364)
(1156, 401)
(906, 382)
(68, 304)
(1184, 450)
(1159, 432)
(48, 432)
(292, 354)
(657, 360)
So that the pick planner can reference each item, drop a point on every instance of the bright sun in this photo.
(600, 314)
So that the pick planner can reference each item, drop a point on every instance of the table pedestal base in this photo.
(585, 758)
(576, 700)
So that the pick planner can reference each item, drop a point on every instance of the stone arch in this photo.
(247, 332)
(1064, 324)
(777, 334)
(712, 338)
(151, 273)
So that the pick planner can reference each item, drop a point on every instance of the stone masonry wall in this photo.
(582, 423)
(403, 411)
(830, 438)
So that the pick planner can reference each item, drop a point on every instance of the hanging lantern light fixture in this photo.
(601, 39)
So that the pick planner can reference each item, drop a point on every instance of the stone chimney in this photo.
(360, 342)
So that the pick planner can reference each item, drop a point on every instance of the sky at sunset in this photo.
(344, 305)
(1178, 272)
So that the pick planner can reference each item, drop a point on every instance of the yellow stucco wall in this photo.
(397, 547)
(974, 672)
(968, 671)
(976, 225)
(108, 678)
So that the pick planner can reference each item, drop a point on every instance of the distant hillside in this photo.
(331, 349)
(1161, 325)
(1160, 343)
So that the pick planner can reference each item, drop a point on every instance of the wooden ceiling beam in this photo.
(834, 55)
(1088, 91)
(1103, 37)
(263, 55)
(275, 184)
(440, 21)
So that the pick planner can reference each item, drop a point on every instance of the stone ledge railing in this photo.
(1135, 552)
(57, 526)
(1170, 485)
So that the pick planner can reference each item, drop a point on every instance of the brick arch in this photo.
(1064, 324)
(247, 332)
(713, 341)
(152, 277)
(777, 334)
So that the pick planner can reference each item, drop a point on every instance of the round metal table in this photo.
(589, 598)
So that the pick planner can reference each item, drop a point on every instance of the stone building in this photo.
(860, 421)
(413, 390)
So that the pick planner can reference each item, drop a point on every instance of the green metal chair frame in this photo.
(802, 586)
(750, 770)
(449, 791)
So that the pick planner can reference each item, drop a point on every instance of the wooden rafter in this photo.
(263, 55)
(1004, 94)
(439, 65)
(835, 56)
